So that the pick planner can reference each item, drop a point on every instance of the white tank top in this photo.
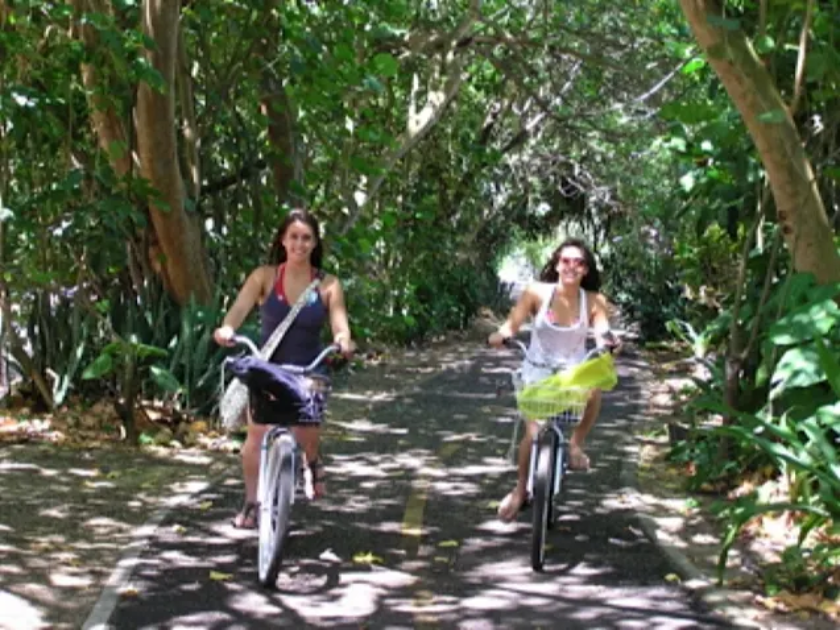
(554, 347)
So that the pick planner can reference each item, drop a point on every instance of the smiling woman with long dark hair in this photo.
(295, 261)
(564, 306)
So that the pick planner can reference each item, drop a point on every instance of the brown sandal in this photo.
(318, 476)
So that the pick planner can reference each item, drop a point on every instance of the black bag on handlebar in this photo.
(279, 396)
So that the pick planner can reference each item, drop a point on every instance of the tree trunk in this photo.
(283, 157)
(107, 125)
(800, 208)
(285, 165)
(177, 229)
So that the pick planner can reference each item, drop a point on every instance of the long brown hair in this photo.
(277, 254)
(590, 282)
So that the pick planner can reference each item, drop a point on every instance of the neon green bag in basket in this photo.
(567, 390)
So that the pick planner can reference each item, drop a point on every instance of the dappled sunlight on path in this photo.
(66, 515)
(408, 537)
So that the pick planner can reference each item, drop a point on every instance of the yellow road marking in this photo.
(412, 524)
(415, 507)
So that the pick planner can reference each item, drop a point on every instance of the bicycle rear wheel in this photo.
(543, 491)
(275, 507)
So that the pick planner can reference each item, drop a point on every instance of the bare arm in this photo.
(600, 320)
(339, 323)
(525, 307)
(249, 295)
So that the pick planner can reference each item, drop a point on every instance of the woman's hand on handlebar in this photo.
(344, 346)
(223, 336)
(610, 340)
(497, 339)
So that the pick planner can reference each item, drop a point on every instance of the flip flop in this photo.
(578, 460)
(508, 510)
(247, 516)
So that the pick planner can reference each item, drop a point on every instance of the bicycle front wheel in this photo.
(543, 491)
(276, 507)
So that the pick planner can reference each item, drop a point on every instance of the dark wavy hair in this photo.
(590, 282)
(277, 254)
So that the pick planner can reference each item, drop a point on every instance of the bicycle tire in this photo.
(542, 498)
(559, 465)
(274, 519)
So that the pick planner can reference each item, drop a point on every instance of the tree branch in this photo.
(443, 86)
(190, 128)
(800, 60)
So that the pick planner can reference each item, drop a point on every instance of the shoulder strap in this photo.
(546, 293)
(277, 336)
(584, 308)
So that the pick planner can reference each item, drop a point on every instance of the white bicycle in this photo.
(283, 466)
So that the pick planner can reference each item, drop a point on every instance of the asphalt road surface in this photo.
(407, 536)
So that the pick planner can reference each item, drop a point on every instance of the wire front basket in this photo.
(557, 404)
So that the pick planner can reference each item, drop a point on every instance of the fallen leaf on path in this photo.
(367, 558)
(673, 577)
(129, 592)
(179, 529)
(204, 506)
(448, 543)
(218, 576)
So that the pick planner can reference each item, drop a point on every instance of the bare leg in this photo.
(250, 471)
(309, 438)
(509, 507)
(579, 460)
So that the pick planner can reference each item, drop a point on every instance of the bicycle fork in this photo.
(270, 467)
(559, 461)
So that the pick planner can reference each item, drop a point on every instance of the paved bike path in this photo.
(408, 537)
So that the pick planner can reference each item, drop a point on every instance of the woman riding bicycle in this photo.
(565, 305)
(296, 261)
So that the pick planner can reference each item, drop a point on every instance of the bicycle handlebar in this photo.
(515, 344)
(297, 369)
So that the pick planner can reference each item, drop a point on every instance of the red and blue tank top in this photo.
(302, 341)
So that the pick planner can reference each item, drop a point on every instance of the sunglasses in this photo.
(572, 262)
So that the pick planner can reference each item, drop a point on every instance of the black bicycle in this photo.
(554, 411)
(283, 466)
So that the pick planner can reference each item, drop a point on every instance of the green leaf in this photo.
(773, 117)
(832, 171)
(764, 44)
(688, 181)
(101, 366)
(145, 351)
(165, 379)
(829, 415)
(799, 367)
(805, 323)
(386, 65)
(693, 66)
(372, 83)
(829, 364)
(689, 113)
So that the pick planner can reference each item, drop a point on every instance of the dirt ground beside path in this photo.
(66, 516)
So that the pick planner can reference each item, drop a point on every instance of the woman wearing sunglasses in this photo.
(565, 305)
